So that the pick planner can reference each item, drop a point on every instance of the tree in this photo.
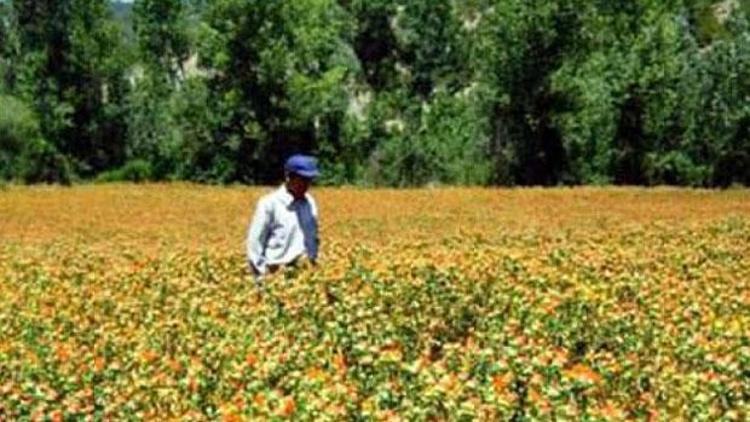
(5, 47)
(719, 109)
(649, 98)
(164, 44)
(387, 92)
(277, 78)
(623, 92)
(417, 120)
(70, 71)
(520, 47)
(162, 36)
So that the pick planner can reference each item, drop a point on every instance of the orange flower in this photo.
(339, 362)
(559, 356)
(259, 399)
(232, 417)
(610, 411)
(315, 374)
(62, 353)
(500, 382)
(149, 356)
(192, 384)
(56, 416)
(239, 402)
(286, 407)
(653, 415)
(582, 373)
(251, 360)
(99, 364)
(175, 365)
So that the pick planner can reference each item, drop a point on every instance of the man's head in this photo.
(300, 171)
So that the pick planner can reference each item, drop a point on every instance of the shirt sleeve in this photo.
(316, 225)
(257, 234)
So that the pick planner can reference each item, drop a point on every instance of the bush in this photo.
(133, 171)
(41, 162)
(442, 141)
(18, 126)
(674, 168)
(24, 154)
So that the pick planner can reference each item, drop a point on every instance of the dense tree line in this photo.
(385, 92)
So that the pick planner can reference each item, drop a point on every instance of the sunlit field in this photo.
(134, 302)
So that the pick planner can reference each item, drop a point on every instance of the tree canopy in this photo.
(384, 92)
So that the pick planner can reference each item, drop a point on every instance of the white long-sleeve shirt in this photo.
(282, 230)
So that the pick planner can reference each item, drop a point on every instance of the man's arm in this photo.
(314, 210)
(257, 234)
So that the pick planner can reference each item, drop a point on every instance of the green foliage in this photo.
(278, 73)
(386, 92)
(419, 122)
(650, 103)
(161, 30)
(720, 102)
(132, 171)
(24, 155)
(69, 69)
(447, 146)
(42, 162)
(5, 45)
(152, 132)
(18, 126)
(535, 37)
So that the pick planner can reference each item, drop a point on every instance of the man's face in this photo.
(298, 185)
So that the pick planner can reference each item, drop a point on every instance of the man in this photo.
(284, 228)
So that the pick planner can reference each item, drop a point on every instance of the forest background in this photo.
(384, 92)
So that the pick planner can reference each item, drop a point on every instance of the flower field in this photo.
(134, 302)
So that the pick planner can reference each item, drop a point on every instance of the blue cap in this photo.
(303, 165)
